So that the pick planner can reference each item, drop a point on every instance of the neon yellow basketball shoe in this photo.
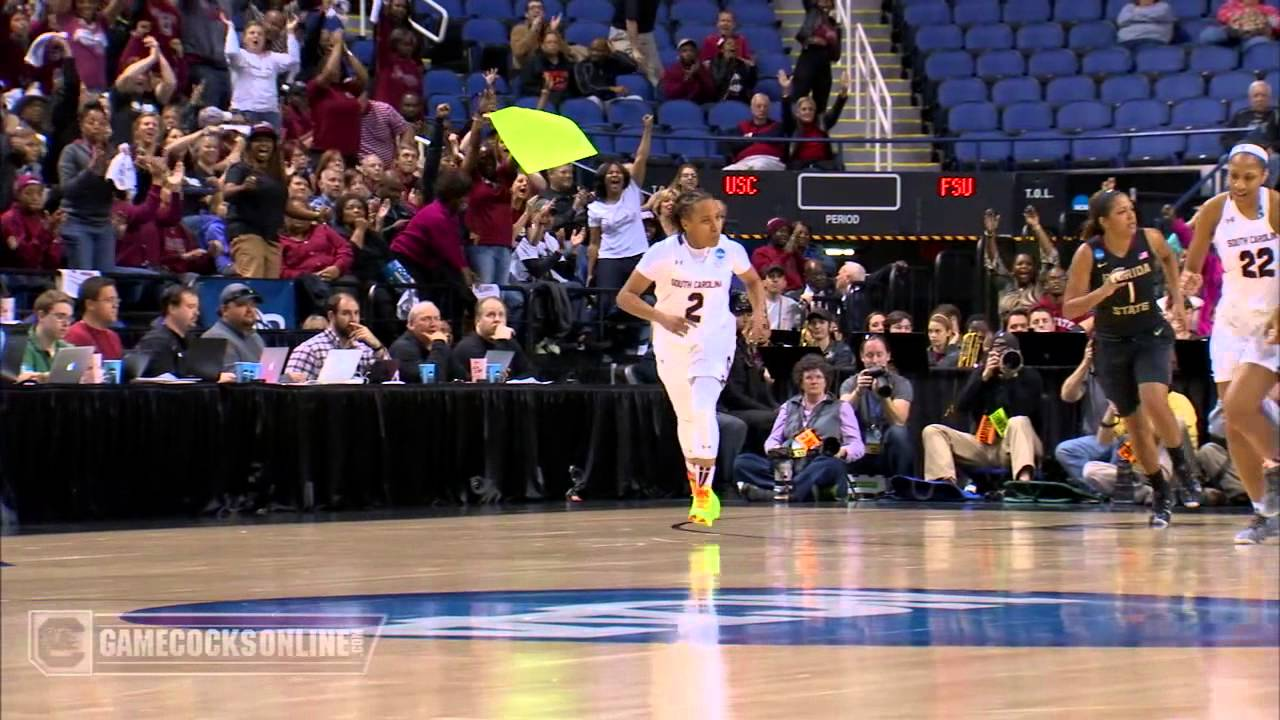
(705, 509)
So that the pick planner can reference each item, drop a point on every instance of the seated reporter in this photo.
(831, 420)
(54, 310)
(492, 333)
(424, 341)
(344, 332)
(881, 400)
(237, 323)
(1002, 387)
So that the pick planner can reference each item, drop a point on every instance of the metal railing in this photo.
(433, 36)
(872, 103)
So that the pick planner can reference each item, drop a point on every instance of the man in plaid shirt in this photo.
(344, 332)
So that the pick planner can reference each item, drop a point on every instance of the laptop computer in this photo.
(15, 346)
(273, 360)
(69, 365)
(204, 359)
(339, 366)
(502, 358)
(135, 364)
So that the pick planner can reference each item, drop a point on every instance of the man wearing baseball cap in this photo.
(822, 325)
(238, 316)
(688, 79)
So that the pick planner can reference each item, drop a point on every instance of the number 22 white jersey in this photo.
(1250, 252)
(694, 284)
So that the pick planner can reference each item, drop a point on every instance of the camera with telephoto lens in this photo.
(1011, 360)
(880, 381)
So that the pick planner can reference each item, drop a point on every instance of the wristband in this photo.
(1108, 425)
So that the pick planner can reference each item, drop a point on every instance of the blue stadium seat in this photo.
(664, 14)
(1160, 60)
(662, 38)
(1083, 116)
(961, 90)
(1107, 61)
(1014, 90)
(457, 107)
(988, 37)
(495, 9)
(1087, 151)
(1092, 35)
(1237, 105)
(1074, 88)
(1212, 59)
(583, 111)
(1026, 117)
(775, 111)
(625, 113)
(939, 37)
(603, 142)
(476, 85)
(363, 50)
(625, 144)
(582, 33)
(983, 148)
(1051, 150)
(769, 87)
(919, 15)
(1052, 63)
(1141, 115)
(726, 115)
(441, 82)
(1114, 7)
(1161, 150)
(995, 64)
(770, 63)
(1202, 149)
(638, 85)
(528, 101)
(1188, 8)
(692, 150)
(1262, 57)
(598, 11)
(680, 114)
(748, 15)
(1023, 12)
(1077, 11)
(453, 6)
(485, 32)
(972, 117)
(1179, 86)
(980, 12)
(1121, 88)
(1040, 36)
(761, 38)
(1230, 86)
(1273, 79)
(1198, 112)
(947, 64)
(1190, 29)
(699, 11)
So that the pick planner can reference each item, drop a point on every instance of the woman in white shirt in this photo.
(255, 71)
(614, 219)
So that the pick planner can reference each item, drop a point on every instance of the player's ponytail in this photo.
(1099, 207)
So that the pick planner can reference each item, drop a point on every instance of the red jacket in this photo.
(711, 47)
(141, 245)
(322, 247)
(767, 255)
(770, 129)
(700, 88)
(38, 249)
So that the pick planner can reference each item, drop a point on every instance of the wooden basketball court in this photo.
(778, 612)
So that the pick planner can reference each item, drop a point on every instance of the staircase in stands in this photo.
(906, 116)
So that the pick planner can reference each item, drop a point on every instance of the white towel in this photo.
(121, 172)
(35, 55)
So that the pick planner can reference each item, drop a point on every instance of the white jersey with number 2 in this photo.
(694, 284)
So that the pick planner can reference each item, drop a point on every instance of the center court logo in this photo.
(792, 616)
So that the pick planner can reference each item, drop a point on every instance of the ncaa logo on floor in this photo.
(789, 616)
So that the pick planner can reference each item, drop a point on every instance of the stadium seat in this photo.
(625, 144)
(1230, 86)
(748, 15)
(762, 38)
(363, 50)
(457, 107)
(983, 149)
(961, 90)
(602, 142)
(1212, 59)
(1023, 12)
(1159, 60)
(638, 85)
(1261, 57)
(1273, 79)
(1161, 150)
(1204, 148)
(699, 11)
(441, 82)
(1179, 86)
(1198, 112)
(1107, 61)
(769, 87)
(583, 111)
(1237, 105)
(528, 101)
(1013, 90)
(597, 11)
(680, 114)
(697, 31)
(725, 116)
(770, 63)
(947, 64)
(1089, 151)
(484, 32)
(1189, 30)
(1050, 150)
(972, 117)
(1092, 35)
(692, 150)
(1141, 115)
(980, 12)
(1188, 8)
(626, 113)
(1114, 7)
(476, 85)
(454, 7)
(1120, 88)
(920, 15)
(1052, 63)
(1040, 36)
(1026, 117)
(939, 37)
(495, 9)
(1075, 88)
(1077, 11)
(1083, 115)
(582, 33)
(988, 37)
(995, 64)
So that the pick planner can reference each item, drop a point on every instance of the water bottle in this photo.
(782, 480)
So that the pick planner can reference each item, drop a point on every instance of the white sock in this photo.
(1257, 507)
(702, 475)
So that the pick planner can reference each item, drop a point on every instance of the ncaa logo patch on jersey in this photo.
(1098, 254)
(719, 255)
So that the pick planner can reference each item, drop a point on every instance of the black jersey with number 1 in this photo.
(1132, 308)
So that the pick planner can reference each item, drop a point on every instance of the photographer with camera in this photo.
(1004, 398)
(881, 400)
(813, 437)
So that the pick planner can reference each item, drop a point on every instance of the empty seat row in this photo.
(1086, 115)
(1021, 12)
(993, 64)
(1115, 89)
(1049, 148)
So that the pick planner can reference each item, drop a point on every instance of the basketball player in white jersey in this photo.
(1244, 226)
(694, 331)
